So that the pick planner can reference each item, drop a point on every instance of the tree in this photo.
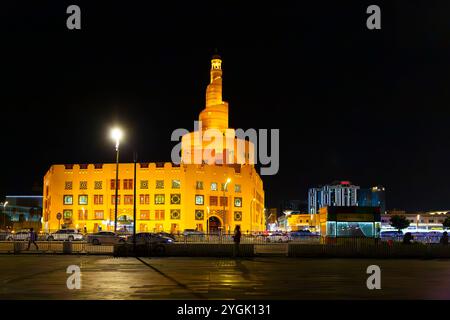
(446, 223)
(399, 222)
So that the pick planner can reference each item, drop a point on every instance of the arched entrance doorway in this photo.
(214, 224)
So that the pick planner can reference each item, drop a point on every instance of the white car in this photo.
(105, 237)
(277, 237)
(18, 236)
(65, 235)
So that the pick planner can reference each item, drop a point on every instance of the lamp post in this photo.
(224, 202)
(251, 215)
(116, 135)
(4, 213)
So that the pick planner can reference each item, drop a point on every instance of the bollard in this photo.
(17, 247)
(67, 247)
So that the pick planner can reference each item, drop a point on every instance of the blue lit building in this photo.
(372, 197)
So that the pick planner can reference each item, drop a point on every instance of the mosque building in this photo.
(214, 188)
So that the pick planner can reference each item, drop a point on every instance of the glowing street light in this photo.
(116, 135)
(251, 215)
(224, 196)
(4, 213)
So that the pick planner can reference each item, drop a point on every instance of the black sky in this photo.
(367, 106)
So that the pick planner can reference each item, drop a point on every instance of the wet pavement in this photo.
(102, 277)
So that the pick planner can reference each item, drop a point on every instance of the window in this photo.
(159, 199)
(175, 214)
(98, 166)
(144, 199)
(213, 186)
(98, 199)
(68, 185)
(128, 199)
(82, 214)
(98, 185)
(98, 214)
(176, 184)
(128, 184)
(113, 184)
(237, 188)
(222, 186)
(82, 199)
(83, 185)
(199, 214)
(144, 165)
(159, 184)
(431, 221)
(199, 199)
(145, 215)
(83, 166)
(223, 201)
(68, 166)
(237, 202)
(199, 185)
(213, 201)
(175, 198)
(144, 184)
(68, 199)
(237, 216)
(159, 214)
(67, 214)
(113, 199)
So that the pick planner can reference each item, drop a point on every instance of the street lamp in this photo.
(4, 213)
(224, 202)
(251, 215)
(417, 222)
(116, 135)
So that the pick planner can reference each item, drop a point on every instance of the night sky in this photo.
(372, 107)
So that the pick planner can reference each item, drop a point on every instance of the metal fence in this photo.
(55, 247)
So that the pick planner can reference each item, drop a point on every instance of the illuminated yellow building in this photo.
(169, 197)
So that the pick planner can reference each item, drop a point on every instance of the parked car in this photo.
(300, 233)
(192, 232)
(166, 234)
(391, 234)
(22, 235)
(149, 238)
(65, 235)
(4, 235)
(105, 237)
(277, 237)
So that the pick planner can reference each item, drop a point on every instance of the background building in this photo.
(344, 194)
(372, 197)
(419, 220)
(339, 193)
(169, 197)
(22, 212)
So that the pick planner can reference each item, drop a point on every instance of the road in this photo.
(44, 277)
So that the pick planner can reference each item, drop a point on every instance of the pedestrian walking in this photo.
(444, 238)
(237, 240)
(32, 239)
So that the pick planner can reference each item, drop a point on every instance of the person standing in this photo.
(237, 240)
(32, 239)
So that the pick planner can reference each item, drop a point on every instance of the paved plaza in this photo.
(102, 277)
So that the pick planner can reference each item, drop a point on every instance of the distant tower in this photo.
(215, 114)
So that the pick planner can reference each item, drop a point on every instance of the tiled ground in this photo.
(44, 277)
